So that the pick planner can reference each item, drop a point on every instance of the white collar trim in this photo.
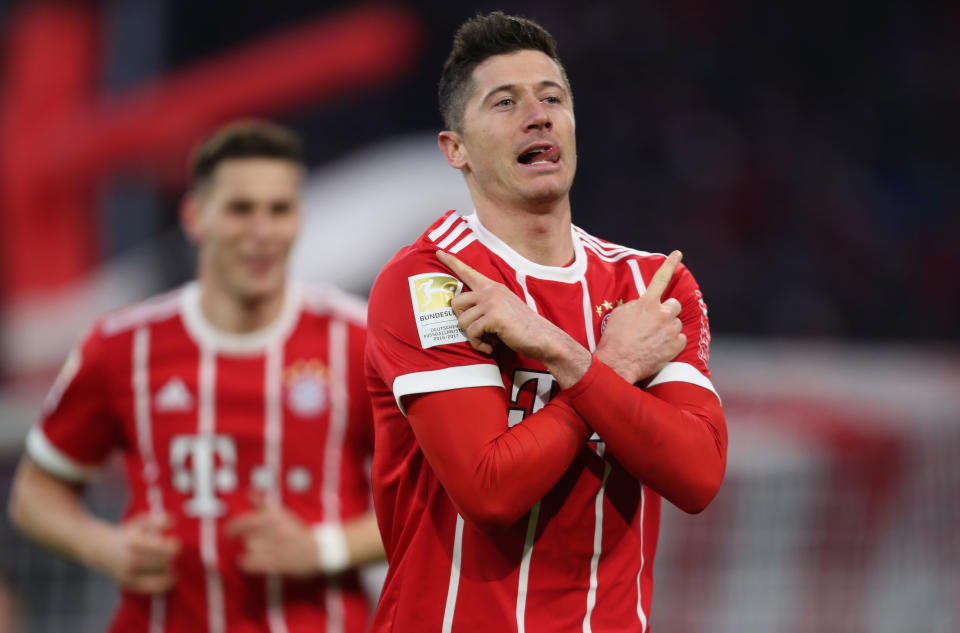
(206, 335)
(565, 274)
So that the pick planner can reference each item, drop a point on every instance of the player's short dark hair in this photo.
(478, 39)
(243, 139)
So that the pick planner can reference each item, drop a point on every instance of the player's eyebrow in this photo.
(546, 83)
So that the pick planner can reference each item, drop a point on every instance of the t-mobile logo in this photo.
(521, 401)
(203, 465)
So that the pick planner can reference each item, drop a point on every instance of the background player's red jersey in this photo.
(582, 558)
(202, 418)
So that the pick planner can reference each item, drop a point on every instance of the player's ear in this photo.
(190, 210)
(451, 144)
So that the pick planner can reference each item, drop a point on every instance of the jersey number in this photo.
(542, 393)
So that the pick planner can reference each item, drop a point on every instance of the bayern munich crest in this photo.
(306, 387)
(605, 309)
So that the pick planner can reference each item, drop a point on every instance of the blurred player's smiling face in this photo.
(517, 144)
(244, 222)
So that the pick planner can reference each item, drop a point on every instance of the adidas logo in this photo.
(173, 396)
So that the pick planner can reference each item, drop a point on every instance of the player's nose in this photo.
(537, 115)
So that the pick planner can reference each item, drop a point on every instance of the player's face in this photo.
(247, 222)
(518, 131)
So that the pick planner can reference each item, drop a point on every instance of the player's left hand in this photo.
(276, 541)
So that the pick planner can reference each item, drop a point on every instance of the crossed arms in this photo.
(672, 437)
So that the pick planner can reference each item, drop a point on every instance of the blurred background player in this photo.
(519, 471)
(239, 406)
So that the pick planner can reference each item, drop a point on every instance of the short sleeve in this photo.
(77, 429)
(414, 342)
(691, 364)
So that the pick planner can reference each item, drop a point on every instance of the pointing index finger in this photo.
(662, 277)
(474, 279)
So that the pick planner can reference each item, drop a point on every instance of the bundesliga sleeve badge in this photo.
(431, 294)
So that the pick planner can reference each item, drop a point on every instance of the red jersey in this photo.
(582, 557)
(202, 417)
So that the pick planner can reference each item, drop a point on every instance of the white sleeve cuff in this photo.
(44, 454)
(482, 375)
(682, 372)
(332, 550)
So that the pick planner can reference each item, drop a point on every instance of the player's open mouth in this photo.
(260, 265)
(539, 155)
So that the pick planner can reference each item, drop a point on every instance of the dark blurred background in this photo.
(801, 154)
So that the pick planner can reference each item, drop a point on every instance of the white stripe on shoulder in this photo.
(324, 299)
(42, 451)
(604, 247)
(155, 308)
(469, 239)
(608, 258)
(599, 245)
(446, 379)
(607, 251)
(682, 372)
(436, 233)
(453, 235)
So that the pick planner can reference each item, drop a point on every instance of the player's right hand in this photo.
(489, 312)
(138, 554)
(643, 335)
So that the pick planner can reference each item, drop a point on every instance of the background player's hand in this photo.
(490, 311)
(643, 335)
(138, 555)
(276, 541)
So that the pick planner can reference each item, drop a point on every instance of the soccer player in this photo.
(536, 390)
(239, 405)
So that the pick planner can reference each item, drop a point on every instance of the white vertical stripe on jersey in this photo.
(144, 426)
(525, 567)
(451, 604)
(333, 452)
(637, 277)
(641, 288)
(524, 580)
(208, 524)
(640, 613)
(454, 234)
(335, 606)
(588, 315)
(465, 242)
(440, 230)
(522, 280)
(597, 546)
(272, 459)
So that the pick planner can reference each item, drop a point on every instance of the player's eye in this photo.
(281, 208)
(552, 99)
(506, 102)
(239, 207)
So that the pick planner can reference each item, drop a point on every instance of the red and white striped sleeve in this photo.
(414, 341)
(77, 430)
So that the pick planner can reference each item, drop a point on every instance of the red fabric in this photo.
(479, 460)
(672, 438)
(209, 416)
(591, 538)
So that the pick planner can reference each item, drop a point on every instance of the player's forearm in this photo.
(494, 474)
(52, 513)
(678, 449)
(363, 540)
